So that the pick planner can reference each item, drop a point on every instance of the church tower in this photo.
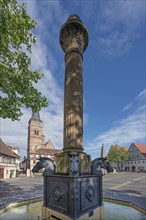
(36, 138)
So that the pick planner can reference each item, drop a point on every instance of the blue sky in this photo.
(113, 73)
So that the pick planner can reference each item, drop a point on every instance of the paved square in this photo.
(126, 186)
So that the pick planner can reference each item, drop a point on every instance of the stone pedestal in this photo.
(73, 198)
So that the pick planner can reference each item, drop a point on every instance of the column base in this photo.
(63, 163)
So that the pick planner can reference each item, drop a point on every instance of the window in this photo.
(36, 132)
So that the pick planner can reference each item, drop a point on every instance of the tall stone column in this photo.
(74, 41)
(73, 193)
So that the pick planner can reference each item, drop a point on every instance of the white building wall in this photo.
(140, 165)
(9, 168)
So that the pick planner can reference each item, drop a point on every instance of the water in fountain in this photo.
(32, 211)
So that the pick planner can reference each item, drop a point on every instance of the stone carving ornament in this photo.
(74, 35)
(58, 194)
(90, 193)
(74, 164)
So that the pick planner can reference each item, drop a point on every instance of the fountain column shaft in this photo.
(74, 41)
(73, 103)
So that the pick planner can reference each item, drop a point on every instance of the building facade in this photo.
(36, 145)
(9, 161)
(136, 161)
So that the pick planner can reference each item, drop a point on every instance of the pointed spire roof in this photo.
(36, 115)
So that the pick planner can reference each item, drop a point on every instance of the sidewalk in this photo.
(127, 187)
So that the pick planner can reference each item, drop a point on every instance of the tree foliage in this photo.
(117, 154)
(16, 78)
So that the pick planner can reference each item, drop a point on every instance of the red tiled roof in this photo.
(44, 151)
(5, 150)
(141, 147)
(124, 148)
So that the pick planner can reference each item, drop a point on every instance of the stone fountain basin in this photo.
(32, 211)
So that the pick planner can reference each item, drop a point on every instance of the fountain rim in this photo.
(105, 199)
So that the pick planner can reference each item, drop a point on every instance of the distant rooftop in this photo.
(123, 147)
(6, 150)
(141, 147)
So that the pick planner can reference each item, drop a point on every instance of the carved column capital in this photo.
(74, 35)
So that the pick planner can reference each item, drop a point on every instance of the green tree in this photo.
(117, 154)
(17, 80)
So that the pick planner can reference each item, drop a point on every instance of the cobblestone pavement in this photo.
(19, 189)
(130, 187)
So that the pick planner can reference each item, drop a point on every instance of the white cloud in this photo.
(141, 96)
(127, 107)
(118, 25)
(15, 133)
(124, 132)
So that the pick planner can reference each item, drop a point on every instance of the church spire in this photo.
(36, 115)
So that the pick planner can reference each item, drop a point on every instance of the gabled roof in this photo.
(140, 147)
(13, 150)
(7, 151)
(49, 145)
